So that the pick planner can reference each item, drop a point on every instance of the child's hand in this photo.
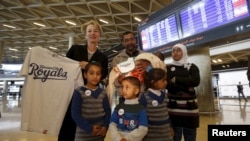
(96, 129)
(172, 131)
(103, 131)
(123, 139)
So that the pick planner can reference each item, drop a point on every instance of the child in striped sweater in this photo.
(90, 107)
(155, 100)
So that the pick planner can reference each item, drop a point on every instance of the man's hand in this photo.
(141, 65)
(120, 77)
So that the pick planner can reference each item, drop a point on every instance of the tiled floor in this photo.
(230, 111)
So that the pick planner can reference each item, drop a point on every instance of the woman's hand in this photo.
(191, 89)
(83, 64)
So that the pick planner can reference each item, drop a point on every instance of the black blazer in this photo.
(80, 53)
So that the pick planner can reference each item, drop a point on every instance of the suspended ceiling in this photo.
(53, 13)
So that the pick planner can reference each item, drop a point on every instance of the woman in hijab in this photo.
(182, 78)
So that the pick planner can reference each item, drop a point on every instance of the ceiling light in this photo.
(114, 50)
(214, 61)
(13, 49)
(42, 25)
(69, 22)
(53, 48)
(137, 19)
(15, 56)
(219, 60)
(9, 26)
(106, 22)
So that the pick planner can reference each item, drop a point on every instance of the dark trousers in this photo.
(188, 133)
(68, 128)
(241, 93)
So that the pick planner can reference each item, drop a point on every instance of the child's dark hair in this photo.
(94, 63)
(152, 76)
(133, 80)
(160, 55)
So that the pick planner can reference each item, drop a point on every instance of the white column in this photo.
(201, 58)
(5, 90)
(1, 52)
(71, 40)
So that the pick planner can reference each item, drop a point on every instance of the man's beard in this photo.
(131, 47)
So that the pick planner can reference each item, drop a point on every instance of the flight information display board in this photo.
(208, 14)
(159, 33)
(192, 23)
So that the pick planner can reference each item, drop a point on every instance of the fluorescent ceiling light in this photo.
(15, 56)
(219, 60)
(53, 48)
(13, 49)
(42, 25)
(137, 19)
(114, 50)
(9, 26)
(214, 61)
(106, 22)
(69, 22)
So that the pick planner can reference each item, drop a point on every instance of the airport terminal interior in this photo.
(228, 56)
(228, 112)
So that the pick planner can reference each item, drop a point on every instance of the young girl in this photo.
(155, 100)
(129, 119)
(90, 107)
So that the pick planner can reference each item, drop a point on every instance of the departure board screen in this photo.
(159, 33)
(207, 14)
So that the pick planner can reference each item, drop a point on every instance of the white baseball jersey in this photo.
(49, 83)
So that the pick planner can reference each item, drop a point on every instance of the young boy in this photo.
(129, 119)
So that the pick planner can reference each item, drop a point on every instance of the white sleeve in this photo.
(114, 133)
(79, 79)
(137, 134)
(25, 67)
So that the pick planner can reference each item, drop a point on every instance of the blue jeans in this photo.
(188, 133)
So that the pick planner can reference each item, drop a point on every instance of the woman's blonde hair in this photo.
(91, 22)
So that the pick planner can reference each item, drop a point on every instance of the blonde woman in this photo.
(84, 54)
